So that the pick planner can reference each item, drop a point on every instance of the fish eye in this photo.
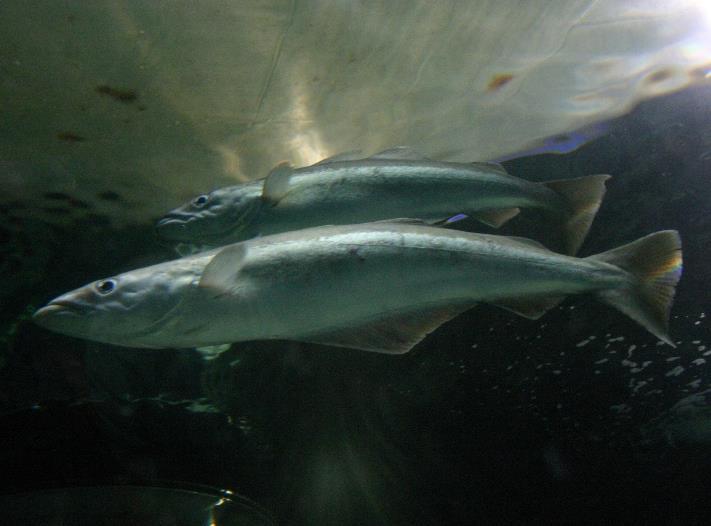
(106, 286)
(201, 200)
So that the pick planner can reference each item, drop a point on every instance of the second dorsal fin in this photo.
(404, 153)
(352, 155)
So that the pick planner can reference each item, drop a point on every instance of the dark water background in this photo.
(575, 418)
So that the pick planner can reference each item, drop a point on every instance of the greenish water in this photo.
(578, 416)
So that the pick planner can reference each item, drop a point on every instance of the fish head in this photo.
(217, 218)
(130, 309)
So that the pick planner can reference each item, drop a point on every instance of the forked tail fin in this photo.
(655, 262)
(583, 196)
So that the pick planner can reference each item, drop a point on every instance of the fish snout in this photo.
(72, 304)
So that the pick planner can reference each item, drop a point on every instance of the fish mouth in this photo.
(175, 228)
(172, 218)
(171, 227)
(171, 222)
(54, 308)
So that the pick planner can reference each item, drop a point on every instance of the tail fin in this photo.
(655, 262)
(583, 196)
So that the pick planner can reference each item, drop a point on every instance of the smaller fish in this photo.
(395, 183)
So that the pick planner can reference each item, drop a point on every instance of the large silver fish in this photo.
(394, 183)
(378, 287)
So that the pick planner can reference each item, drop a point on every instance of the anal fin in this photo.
(496, 217)
(583, 196)
(447, 221)
(529, 307)
(390, 334)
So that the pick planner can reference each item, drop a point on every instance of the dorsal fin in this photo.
(404, 153)
(220, 275)
(276, 184)
(352, 155)
(390, 333)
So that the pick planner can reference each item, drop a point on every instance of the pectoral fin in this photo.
(220, 275)
(276, 185)
(390, 334)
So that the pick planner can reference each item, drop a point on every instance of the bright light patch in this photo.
(704, 7)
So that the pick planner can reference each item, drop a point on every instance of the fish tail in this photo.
(655, 263)
(583, 196)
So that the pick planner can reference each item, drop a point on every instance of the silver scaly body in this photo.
(377, 286)
(337, 192)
